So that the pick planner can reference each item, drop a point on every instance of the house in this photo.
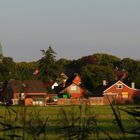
(28, 92)
(118, 91)
(71, 88)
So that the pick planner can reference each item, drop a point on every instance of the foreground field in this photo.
(65, 122)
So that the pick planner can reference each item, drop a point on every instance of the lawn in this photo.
(61, 122)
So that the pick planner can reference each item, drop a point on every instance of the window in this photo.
(125, 95)
(119, 86)
(73, 87)
(39, 101)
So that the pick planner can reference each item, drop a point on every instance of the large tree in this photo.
(24, 70)
(129, 64)
(93, 75)
(47, 66)
(7, 69)
(106, 59)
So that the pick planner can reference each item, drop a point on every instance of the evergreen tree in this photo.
(47, 66)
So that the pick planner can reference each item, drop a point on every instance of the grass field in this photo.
(64, 122)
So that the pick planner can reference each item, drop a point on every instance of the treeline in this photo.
(93, 69)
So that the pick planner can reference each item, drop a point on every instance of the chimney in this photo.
(104, 82)
(133, 85)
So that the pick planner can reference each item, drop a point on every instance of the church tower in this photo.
(1, 55)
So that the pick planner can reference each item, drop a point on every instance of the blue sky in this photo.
(74, 28)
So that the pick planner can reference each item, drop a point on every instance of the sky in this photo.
(73, 28)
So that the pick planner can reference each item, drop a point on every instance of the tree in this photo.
(47, 66)
(129, 64)
(24, 70)
(73, 66)
(90, 59)
(133, 68)
(61, 65)
(106, 59)
(93, 75)
(7, 69)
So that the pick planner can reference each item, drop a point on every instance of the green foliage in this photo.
(93, 68)
(93, 75)
(36, 126)
(24, 71)
(15, 124)
(129, 64)
(77, 124)
(133, 113)
(90, 59)
(62, 64)
(69, 122)
(7, 69)
(100, 59)
(106, 59)
(11, 70)
(4, 73)
(73, 66)
(47, 66)
(133, 68)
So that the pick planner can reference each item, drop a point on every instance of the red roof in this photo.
(27, 86)
(77, 80)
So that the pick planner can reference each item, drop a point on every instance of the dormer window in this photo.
(119, 86)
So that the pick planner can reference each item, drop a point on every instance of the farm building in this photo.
(119, 91)
(28, 92)
(71, 88)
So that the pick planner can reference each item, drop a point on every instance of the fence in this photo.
(90, 101)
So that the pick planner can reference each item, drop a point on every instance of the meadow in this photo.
(67, 122)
